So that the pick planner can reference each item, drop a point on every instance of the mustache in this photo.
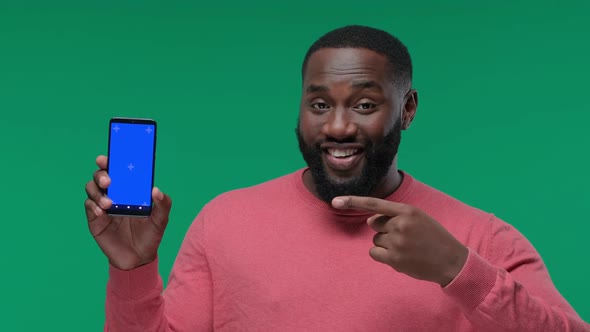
(350, 139)
(319, 145)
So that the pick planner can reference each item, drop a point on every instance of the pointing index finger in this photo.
(370, 204)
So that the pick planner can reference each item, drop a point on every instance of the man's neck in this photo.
(389, 184)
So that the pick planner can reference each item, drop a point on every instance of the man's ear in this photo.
(410, 108)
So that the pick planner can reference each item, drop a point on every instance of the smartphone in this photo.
(131, 164)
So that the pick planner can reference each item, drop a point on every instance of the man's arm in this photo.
(510, 289)
(135, 301)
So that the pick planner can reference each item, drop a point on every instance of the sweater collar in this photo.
(311, 200)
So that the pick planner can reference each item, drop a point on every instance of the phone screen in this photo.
(132, 147)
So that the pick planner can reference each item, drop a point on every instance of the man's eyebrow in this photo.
(359, 85)
(316, 88)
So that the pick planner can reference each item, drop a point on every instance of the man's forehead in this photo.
(346, 57)
(352, 62)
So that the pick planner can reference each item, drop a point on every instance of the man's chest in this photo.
(318, 282)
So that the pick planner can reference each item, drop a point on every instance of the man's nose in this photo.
(339, 125)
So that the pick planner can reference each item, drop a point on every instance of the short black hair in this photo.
(382, 42)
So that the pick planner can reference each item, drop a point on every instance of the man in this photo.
(350, 243)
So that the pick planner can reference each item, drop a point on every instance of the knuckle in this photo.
(374, 253)
(395, 258)
(98, 174)
(89, 187)
(88, 203)
(403, 225)
(350, 203)
(370, 203)
(400, 225)
(400, 244)
(376, 238)
(409, 210)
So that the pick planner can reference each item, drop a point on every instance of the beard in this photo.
(377, 161)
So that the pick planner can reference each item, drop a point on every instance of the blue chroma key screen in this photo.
(131, 161)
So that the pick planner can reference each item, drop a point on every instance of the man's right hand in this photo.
(128, 242)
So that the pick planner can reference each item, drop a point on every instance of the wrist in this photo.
(455, 264)
(132, 265)
(135, 283)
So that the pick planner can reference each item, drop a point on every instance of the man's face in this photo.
(350, 121)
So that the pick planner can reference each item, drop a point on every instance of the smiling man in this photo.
(351, 117)
(349, 243)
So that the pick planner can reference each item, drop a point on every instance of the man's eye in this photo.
(366, 106)
(320, 106)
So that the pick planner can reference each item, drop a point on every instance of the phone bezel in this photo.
(122, 211)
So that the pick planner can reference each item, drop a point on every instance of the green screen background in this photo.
(500, 124)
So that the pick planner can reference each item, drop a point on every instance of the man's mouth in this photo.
(342, 159)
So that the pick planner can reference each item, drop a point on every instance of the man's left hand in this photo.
(409, 240)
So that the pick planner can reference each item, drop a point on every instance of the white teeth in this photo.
(340, 153)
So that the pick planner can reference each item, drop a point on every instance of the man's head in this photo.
(356, 99)
(378, 41)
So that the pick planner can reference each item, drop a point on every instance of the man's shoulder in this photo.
(437, 201)
(471, 225)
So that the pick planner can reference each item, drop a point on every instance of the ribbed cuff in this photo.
(473, 283)
(134, 284)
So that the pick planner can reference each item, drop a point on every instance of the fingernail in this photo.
(104, 181)
(159, 194)
(98, 211)
(338, 203)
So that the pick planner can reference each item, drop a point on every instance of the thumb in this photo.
(161, 210)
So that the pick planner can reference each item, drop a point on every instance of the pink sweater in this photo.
(274, 258)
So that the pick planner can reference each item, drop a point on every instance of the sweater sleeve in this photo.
(511, 290)
(135, 300)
